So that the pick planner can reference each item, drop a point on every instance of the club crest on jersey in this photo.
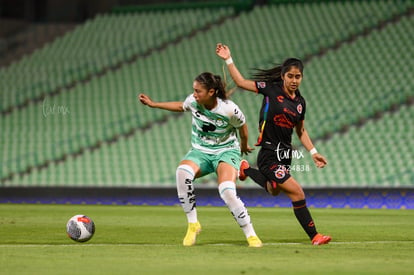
(220, 122)
(261, 84)
(280, 173)
(299, 108)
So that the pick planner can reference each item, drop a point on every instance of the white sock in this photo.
(227, 190)
(185, 191)
(248, 230)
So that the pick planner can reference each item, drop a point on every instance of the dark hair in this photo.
(275, 74)
(211, 81)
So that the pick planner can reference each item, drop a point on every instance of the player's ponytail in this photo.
(221, 88)
(211, 81)
(275, 74)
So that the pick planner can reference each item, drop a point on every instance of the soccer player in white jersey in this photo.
(215, 148)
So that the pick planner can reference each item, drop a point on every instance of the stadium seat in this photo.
(343, 86)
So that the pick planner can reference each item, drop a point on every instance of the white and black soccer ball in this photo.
(80, 228)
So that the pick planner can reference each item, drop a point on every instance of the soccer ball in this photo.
(80, 228)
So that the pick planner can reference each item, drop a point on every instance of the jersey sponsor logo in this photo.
(286, 110)
(208, 127)
(280, 98)
(261, 85)
(299, 108)
(282, 121)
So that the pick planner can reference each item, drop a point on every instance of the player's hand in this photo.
(223, 51)
(246, 150)
(319, 160)
(146, 100)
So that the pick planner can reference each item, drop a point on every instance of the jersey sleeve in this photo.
(237, 118)
(302, 115)
(187, 102)
(260, 87)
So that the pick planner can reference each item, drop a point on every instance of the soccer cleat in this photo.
(320, 239)
(254, 241)
(243, 165)
(273, 188)
(192, 232)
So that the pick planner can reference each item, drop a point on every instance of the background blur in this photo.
(70, 72)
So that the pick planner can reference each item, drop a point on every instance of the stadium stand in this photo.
(19, 38)
(94, 47)
(70, 115)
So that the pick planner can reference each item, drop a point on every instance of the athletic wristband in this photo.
(229, 60)
(313, 151)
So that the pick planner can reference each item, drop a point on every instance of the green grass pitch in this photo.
(147, 240)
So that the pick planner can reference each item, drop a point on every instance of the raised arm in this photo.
(224, 52)
(174, 106)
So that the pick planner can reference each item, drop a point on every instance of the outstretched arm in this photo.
(224, 52)
(174, 106)
(303, 135)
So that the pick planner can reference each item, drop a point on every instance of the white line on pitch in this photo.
(201, 244)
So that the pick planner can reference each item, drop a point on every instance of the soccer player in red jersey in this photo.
(283, 110)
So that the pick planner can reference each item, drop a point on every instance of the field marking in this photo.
(200, 245)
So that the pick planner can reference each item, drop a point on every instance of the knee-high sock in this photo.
(227, 190)
(304, 217)
(185, 190)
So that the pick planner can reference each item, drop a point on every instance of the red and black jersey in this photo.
(278, 116)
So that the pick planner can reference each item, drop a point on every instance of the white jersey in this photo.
(214, 131)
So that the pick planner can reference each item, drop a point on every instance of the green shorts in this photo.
(208, 163)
